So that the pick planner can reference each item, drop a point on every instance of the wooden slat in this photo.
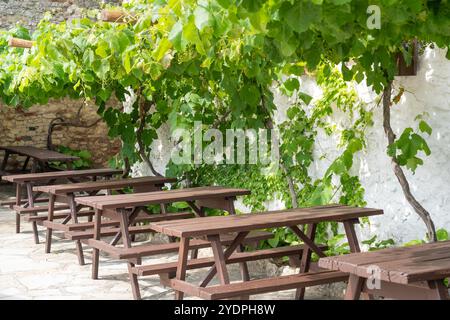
(154, 249)
(105, 232)
(45, 176)
(158, 197)
(61, 215)
(263, 285)
(37, 209)
(142, 218)
(20, 43)
(104, 184)
(207, 262)
(220, 224)
(12, 202)
(40, 154)
(403, 265)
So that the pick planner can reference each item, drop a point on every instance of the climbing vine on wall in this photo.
(218, 61)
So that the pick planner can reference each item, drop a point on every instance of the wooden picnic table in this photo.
(41, 157)
(124, 207)
(66, 193)
(415, 272)
(213, 227)
(25, 182)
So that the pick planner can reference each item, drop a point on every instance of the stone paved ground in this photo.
(26, 272)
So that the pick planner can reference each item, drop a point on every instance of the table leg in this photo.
(354, 287)
(18, 203)
(95, 251)
(73, 214)
(51, 207)
(199, 212)
(25, 164)
(353, 243)
(350, 232)
(34, 166)
(242, 265)
(228, 252)
(126, 239)
(31, 203)
(440, 290)
(219, 259)
(182, 264)
(5, 161)
(305, 261)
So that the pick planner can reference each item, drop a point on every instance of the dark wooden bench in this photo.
(415, 272)
(212, 227)
(123, 206)
(237, 257)
(260, 286)
(26, 182)
(12, 202)
(40, 157)
(66, 193)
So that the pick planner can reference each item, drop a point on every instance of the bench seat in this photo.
(31, 210)
(12, 202)
(142, 218)
(260, 286)
(154, 249)
(236, 257)
(60, 215)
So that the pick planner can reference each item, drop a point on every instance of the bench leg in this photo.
(440, 290)
(48, 238)
(18, 203)
(95, 251)
(134, 282)
(126, 239)
(73, 213)
(353, 243)
(182, 264)
(305, 261)
(245, 275)
(31, 202)
(354, 287)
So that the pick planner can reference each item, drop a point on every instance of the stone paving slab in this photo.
(26, 272)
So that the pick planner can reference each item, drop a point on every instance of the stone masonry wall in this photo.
(29, 127)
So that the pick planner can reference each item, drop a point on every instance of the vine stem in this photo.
(144, 107)
(289, 180)
(398, 171)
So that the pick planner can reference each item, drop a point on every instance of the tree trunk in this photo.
(398, 171)
(289, 180)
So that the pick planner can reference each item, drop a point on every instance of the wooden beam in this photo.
(20, 43)
(115, 15)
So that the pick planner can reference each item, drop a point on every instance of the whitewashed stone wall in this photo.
(429, 92)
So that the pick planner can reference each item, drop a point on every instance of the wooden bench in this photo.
(213, 227)
(26, 182)
(42, 219)
(237, 257)
(86, 226)
(66, 193)
(12, 202)
(198, 199)
(415, 272)
(147, 250)
(260, 286)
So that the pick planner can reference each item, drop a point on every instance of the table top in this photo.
(45, 176)
(104, 184)
(159, 197)
(247, 222)
(40, 154)
(402, 265)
